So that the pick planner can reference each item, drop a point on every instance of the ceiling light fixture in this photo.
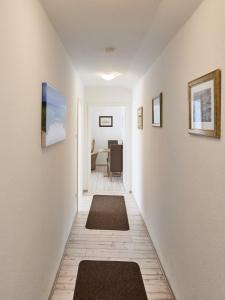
(110, 49)
(109, 76)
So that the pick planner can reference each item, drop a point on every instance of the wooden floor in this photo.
(133, 245)
(101, 183)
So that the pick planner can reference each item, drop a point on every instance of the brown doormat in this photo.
(109, 280)
(108, 213)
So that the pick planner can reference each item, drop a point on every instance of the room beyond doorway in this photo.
(109, 140)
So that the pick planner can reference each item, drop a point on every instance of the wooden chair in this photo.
(93, 156)
(112, 142)
(115, 161)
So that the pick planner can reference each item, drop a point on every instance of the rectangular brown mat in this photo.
(109, 280)
(108, 213)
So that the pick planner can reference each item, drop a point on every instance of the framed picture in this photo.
(53, 123)
(105, 121)
(140, 118)
(157, 111)
(205, 105)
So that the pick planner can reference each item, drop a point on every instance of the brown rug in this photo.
(109, 280)
(108, 213)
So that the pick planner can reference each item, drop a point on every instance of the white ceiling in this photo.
(138, 29)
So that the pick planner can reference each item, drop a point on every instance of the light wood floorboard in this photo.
(100, 183)
(133, 245)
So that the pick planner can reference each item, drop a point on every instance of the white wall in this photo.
(37, 187)
(117, 96)
(101, 135)
(178, 179)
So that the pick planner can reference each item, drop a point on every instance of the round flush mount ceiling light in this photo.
(109, 76)
(110, 49)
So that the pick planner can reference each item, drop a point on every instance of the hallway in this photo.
(133, 245)
(139, 86)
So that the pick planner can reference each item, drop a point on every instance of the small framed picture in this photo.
(157, 111)
(105, 121)
(140, 118)
(205, 105)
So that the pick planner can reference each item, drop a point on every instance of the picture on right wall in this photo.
(157, 110)
(205, 105)
(140, 117)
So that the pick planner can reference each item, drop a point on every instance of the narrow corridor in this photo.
(133, 245)
(105, 100)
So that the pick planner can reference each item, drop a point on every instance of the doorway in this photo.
(115, 128)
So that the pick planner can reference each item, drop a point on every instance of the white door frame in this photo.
(80, 156)
(78, 152)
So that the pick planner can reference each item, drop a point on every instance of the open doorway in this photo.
(108, 139)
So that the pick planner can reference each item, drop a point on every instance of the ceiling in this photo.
(138, 30)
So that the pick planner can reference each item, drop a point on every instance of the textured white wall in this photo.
(178, 179)
(117, 96)
(37, 187)
(103, 134)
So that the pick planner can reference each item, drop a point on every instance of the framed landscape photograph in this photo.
(105, 121)
(205, 105)
(140, 118)
(53, 125)
(157, 111)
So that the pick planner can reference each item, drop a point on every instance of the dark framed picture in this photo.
(105, 121)
(157, 103)
(205, 105)
(140, 117)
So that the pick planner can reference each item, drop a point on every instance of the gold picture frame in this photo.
(140, 117)
(204, 96)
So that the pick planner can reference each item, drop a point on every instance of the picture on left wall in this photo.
(53, 125)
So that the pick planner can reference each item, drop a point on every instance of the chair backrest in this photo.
(116, 158)
(92, 146)
(112, 142)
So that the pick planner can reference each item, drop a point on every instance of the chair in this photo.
(115, 161)
(93, 156)
(112, 142)
(92, 146)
